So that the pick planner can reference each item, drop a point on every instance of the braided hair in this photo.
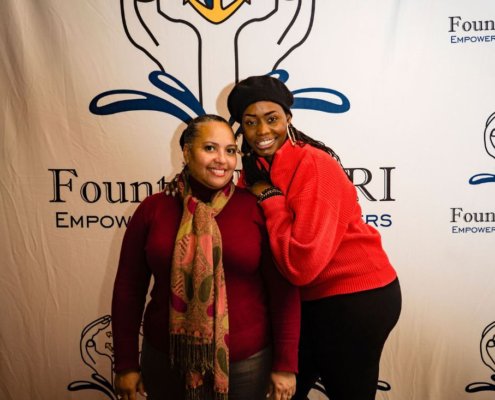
(191, 130)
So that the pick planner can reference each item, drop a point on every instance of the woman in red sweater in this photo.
(221, 322)
(350, 294)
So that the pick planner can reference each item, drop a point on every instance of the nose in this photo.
(262, 128)
(221, 157)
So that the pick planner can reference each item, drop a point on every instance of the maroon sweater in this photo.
(260, 300)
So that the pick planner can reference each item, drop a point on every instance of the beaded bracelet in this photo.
(269, 192)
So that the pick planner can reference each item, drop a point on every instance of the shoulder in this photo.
(244, 204)
(244, 194)
(322, 165)
(155, 203)
(243, 198)
(308, 159)
(156, 200)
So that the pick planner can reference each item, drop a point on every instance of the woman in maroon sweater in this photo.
(350, 292)
(221, 322)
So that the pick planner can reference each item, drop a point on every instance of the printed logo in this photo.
(149, 26)
(97, 353)
(285, 24)
(489, 141)
(469, 221)
(213, 10)
(470, 31)
(487, 353)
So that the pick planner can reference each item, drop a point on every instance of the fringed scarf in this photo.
(199, 324)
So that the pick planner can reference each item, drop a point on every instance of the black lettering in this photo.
(455, 214)
(135, 190)
(76, 222)
(57, 198)
(96, 192)
(59, 218)
(387, 175)
(361, 186)
(454, 21)
(108, 192)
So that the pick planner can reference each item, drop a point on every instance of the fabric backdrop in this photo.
(94, 95)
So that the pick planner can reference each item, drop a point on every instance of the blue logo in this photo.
(489, 140)
(179, 100)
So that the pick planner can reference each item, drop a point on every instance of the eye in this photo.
(209, 147)
(272, 119)
(249, 123)
(232, 150)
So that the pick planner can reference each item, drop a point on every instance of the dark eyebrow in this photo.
(216, 144)
(265, 114)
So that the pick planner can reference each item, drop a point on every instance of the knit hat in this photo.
(258, 88)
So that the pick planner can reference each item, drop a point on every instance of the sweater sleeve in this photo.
(285, 316)
(307, 224)
(129, 292)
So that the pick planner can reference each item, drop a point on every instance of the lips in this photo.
(220, 172)
(265, 143)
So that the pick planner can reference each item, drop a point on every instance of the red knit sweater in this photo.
(317, 233)
(260, 300)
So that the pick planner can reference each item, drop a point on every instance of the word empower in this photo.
(458, 25)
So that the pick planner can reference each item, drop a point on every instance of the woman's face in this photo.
(264, 125)
(212, 155)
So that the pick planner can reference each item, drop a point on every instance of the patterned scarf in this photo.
(199, 324)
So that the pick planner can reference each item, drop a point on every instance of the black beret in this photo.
(258, 88)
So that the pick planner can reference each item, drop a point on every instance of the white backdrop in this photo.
(87, 132)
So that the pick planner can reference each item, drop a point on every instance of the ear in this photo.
(186, 153)
(289, 118)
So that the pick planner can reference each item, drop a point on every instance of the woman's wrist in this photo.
(269, 192)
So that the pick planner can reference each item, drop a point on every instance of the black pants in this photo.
(342, 338)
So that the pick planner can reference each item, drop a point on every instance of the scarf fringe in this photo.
(187, 354)
(204, 393)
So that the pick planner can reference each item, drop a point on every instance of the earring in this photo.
(248, 154)
(291, 133)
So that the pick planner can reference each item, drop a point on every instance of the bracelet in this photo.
(269, 192)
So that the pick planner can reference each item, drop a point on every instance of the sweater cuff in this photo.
(273, 204)
(285, 357)
(126, 356)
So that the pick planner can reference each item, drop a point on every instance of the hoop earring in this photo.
(291, 134)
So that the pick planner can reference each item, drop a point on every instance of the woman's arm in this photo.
(129, 292)
(285, 317)
(306, 225)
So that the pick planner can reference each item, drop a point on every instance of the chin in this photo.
(218, 184)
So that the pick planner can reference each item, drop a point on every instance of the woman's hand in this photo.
(127, 384)
(282, 385)
(258, 187)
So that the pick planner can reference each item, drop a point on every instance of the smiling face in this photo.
(264, 125)
(212, 155)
